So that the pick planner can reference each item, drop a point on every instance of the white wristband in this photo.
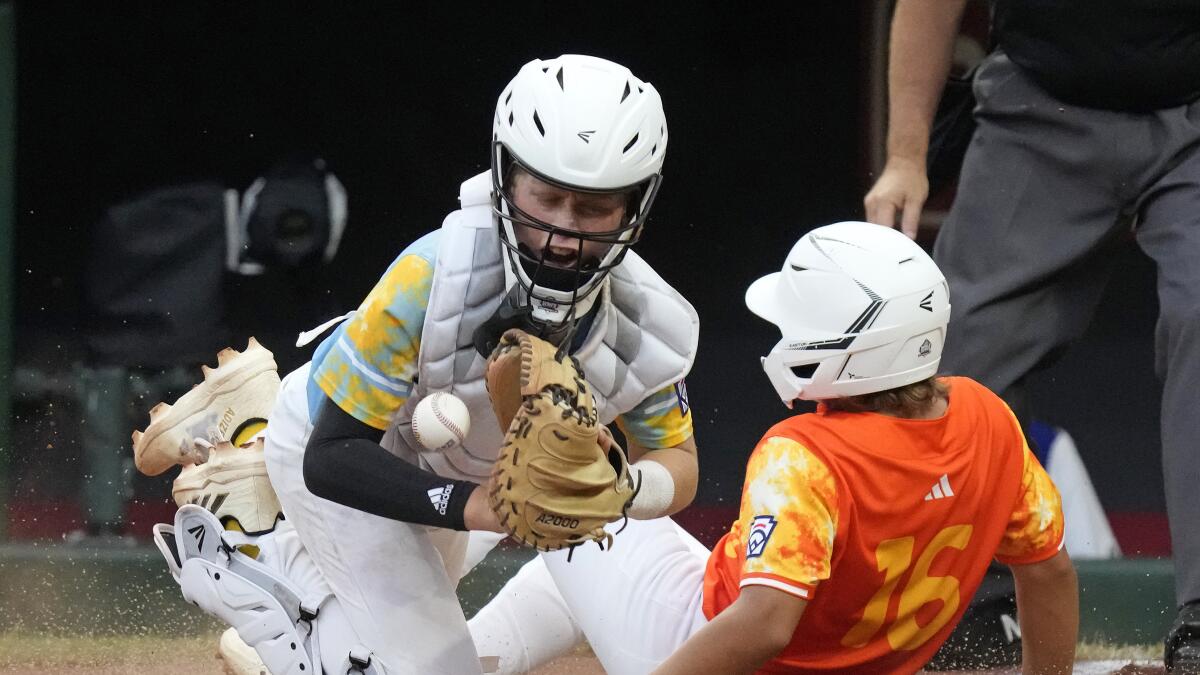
(656, 493)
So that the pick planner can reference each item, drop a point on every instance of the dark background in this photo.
(765, 103)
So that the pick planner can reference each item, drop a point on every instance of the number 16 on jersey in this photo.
(894, 557)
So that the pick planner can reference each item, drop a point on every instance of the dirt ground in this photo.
(150, 655)
(47, 655)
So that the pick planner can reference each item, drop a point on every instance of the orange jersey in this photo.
(885, 526)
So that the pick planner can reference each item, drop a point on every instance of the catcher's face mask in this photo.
(560, 241)
(564, 232)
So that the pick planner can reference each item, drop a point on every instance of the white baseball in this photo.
(441, 421)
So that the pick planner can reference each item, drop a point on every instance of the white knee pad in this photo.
(267, 610)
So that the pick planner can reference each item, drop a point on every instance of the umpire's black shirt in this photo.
(1131, 55)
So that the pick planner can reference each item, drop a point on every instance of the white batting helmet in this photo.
(580, 123)
(862, 309)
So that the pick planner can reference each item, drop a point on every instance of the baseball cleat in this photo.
(233, 485)
(234, 400)
(237, 657)
(1182, 648)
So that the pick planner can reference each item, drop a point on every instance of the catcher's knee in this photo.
(291, 633)
(526, 625)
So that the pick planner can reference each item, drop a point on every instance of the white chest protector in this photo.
(642, 339)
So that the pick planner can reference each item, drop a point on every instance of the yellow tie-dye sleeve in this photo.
(788, 518)
(663, 420)
(1035, 529)
(369, 370)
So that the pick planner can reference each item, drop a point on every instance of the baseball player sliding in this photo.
(361, 574)
(865, 527)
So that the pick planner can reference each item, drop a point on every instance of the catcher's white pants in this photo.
(396, 581)
(636, 603)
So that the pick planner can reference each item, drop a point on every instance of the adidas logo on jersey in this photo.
(940, 489)
(440, 498)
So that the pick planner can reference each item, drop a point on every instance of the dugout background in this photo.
(766, 104)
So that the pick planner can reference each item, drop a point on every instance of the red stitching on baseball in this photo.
(437, 412)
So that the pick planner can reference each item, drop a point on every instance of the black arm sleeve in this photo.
(344, 463)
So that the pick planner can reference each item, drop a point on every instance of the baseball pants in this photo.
(636, 602)
(1046, 191)
(396, 581)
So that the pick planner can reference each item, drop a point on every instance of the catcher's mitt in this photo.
(554, 484)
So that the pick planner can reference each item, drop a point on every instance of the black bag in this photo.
(152, 289)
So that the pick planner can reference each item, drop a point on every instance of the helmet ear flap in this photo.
(805, 372)
(789, 379)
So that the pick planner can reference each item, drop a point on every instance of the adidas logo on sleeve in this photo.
(440, 498)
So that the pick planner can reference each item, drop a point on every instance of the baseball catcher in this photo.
(560, 477)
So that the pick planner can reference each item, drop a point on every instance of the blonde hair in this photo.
(911, 400)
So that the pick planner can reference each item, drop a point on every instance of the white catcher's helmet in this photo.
(862, 309)
(580, 123)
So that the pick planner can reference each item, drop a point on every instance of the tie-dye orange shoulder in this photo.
(785, 531)
(1035, 530)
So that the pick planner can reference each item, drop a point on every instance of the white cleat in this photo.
(232, 484)
(239, 392)
(237, 657)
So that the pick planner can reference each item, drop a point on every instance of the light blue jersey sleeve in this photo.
(368, 364)
(662, 420)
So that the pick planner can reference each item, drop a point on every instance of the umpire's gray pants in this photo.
(1046, 190)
